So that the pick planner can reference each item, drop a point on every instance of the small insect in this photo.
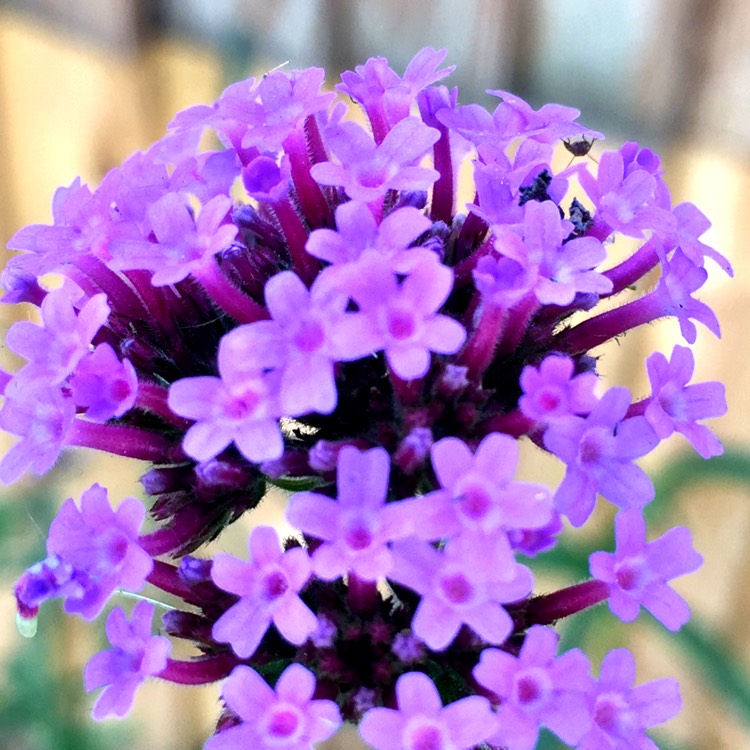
(579, 148)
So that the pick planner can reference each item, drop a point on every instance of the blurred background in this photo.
(85, 83)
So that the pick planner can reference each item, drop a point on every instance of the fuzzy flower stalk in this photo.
(309, 306)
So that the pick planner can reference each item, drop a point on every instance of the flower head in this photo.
(309, 308)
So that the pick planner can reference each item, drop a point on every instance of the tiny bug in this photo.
(580, 147)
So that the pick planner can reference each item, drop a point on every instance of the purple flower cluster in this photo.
(308, 308)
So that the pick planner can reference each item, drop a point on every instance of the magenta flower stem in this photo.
(549, 608)
(153, 398)
(200, 671)
(472, 232)
(480, 349)
(518, 319)
(513, 423)
(463, 271)
(378, 122)
(119, 295)
(230, 299)
(309, 194)
(130, 442)
(163, 541)
(166, 577)
(638, 408)
(296, 236)
(611, 324)
(315, 147)
(154, 299)
(363, 595)
(442, 191)
(635, 267)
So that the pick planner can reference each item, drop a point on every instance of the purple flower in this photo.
(42, 416)
(258, 116)
(183, 245)
(386, 96)
(676, 406)
(266, 180)
(367, 171)
(312, 307)
(626, 202)
(561, 268)
(551, 391)
(286, 718)
(514, 118)
(404, 315)
(206, 175)
(268, 586)
(638, 571)
(478, 492)
(357, 527)
(466, 584)
(91, 552)
(537, 688)
(532, 542)
(279, 104)
(358, 235)
(691, 224)
(54, 349)
(421, 721)
(546, 125)
(599, 453)
(120, 670)
(503, 281)
(103, 385)
(240, 407)
(82, 224)
(622, 712)
(309, 333)
(679, 279)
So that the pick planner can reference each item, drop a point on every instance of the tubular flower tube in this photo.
(310, 307)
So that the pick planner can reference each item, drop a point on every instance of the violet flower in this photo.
(286, 718)
(348, 330)
(638, 572)
(92, 551)
(537, 688)
(120, 670)
(675, 406)
(421, 720)
(599, 453)
(357, 527)
(268, 586)
(621, 712)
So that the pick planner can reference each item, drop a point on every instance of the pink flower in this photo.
(286, 718)
(268, 586)
(421, 721)
(120, 670)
